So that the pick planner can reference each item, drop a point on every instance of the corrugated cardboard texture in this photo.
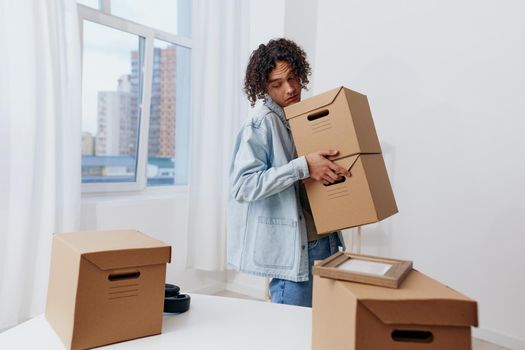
(379, 185)
(346, 124)
(112, 311)
(106, 287)
(362, 121)
(334, 312)
(340, 119)
(363, 198)
(114, 259)
(312, 103)
(372, 334)
(436, 304)
(62, 289)
(421, 304)
(98, 241)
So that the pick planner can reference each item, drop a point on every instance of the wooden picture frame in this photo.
(366, 269)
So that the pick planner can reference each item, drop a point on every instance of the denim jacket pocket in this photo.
(273, 239)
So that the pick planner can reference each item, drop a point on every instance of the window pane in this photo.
(90, 3)
(111, 91)
(169, 115)
(172, 16)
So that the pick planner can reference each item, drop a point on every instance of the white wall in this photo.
(162, 216)
(301, 26)
(446, 84)
(266, 21)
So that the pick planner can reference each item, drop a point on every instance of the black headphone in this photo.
(174, 302)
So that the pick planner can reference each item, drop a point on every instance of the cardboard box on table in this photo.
(421, 314)
(341, 119)
(106, 287)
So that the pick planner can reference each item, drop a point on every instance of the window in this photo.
(167, 133)
(110, 100)
(135, 95)
(153, 14)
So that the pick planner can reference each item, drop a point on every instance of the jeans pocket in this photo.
(319, 249)
(275, 243)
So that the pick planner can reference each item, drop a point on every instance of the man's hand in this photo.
(321, 169)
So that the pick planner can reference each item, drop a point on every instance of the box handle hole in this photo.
(124, 276)
(340, 180)
(412, 336)
(317, 115)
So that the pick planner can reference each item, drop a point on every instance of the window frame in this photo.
(102, 16)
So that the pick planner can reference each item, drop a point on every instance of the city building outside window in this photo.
(135, 94)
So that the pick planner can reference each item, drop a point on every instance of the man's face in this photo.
(283, 86)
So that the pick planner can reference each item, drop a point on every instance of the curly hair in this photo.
(264, 59)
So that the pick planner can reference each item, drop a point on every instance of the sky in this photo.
(106, 51)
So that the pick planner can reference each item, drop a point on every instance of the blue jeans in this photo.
(300, 293)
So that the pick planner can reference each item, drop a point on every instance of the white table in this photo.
(211, 323)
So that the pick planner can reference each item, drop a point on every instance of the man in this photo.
(271, 232)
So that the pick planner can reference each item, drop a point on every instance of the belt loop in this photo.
(334, 242)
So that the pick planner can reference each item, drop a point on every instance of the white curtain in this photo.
(219, 57)
(39, 146)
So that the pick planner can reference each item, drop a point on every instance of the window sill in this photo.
(151, 193)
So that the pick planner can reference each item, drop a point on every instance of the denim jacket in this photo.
(266, 229)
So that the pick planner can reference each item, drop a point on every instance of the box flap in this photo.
(433, 312)
(96, 241)
(117, 249)
(419, 300)
(347, 162)
(117, 259)
(311, 103)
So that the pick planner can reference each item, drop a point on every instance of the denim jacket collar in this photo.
(274, 107)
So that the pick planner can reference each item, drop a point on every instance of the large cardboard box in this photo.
(106, 287)
(341, 119)
(421, 314)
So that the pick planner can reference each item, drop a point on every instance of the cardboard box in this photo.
(363, 198)
(421, 314)
(106, 287)
(338, 119)
(341, 119)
